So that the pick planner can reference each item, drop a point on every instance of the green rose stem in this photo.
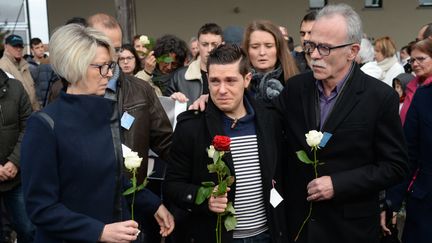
(315, 164)
(133, 195)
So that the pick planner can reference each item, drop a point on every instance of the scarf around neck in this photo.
(267, 86)
(387, 63)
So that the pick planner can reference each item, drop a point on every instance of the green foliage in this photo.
(208, 189)
(164, 58)
(302, 156)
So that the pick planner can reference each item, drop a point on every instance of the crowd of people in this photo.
(72, 117)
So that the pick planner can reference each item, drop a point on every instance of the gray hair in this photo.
(353, 21)
(72, 49)
(366, 53)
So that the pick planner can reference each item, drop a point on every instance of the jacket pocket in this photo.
(9, 113)
(361, 209)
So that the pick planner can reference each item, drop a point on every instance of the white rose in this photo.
(144, 40)
(210, 151)
(131, 159)
(313, 138)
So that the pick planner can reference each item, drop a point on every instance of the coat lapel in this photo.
(266, 153)
(308, 99)
(350, 96)
(214, 122)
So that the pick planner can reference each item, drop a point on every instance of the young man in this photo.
(40, 70)
(253, 160)
(365, 152)
(305, 31)
(189, 83)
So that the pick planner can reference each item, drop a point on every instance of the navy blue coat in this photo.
(418, 133)
(70, 175)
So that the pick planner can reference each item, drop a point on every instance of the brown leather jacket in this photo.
(151, 128)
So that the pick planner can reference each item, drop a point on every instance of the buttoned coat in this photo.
(188, 168)
(365, 154)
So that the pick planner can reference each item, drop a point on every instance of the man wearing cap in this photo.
(14, 63)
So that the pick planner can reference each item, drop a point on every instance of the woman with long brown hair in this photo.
(271, 61)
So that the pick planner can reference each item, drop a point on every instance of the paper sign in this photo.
(127, 120)
(325, 139)
(275, 198)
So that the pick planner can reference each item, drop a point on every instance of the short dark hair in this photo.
(311, 16)
(77, 20)
(228, 54)
(210, 28)
(35, 41)
(172, 44)
(428, 31)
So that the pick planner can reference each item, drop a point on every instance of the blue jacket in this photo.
(70, 175)
(418, 133)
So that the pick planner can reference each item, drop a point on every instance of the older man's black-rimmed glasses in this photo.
(323, 50)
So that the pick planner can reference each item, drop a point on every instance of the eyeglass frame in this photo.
(319, 46)
(419, 60)
(110, 66)
(129, 59)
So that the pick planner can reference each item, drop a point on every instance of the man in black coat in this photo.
(253, 159)
(365, 152)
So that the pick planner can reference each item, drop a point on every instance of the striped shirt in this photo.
(249, 199)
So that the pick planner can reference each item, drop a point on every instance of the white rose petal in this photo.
(313, 138)
(131, 158)
(144, 40)
(210, 151)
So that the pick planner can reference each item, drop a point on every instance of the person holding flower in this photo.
(363, 151)
(249, 137)
(169, 54)
(71, 170)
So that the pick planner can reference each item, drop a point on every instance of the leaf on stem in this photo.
(129, 191)
(222, 188)
(202, 194)
(211, 168)
(302, 156)
(208, 183)
(230, 222)
(230, 180)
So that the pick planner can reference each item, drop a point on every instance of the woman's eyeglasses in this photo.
(104, 68)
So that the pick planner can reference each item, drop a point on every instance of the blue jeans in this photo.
(261, 238)
(14, 204)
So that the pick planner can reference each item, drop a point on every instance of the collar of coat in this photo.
(193, 71)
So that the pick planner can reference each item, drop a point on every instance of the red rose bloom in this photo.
(221, 143)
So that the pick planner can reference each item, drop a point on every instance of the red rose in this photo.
(221, 143)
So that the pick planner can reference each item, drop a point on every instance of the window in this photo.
(423, 3)
(13, 17)
(373, 3)
(317, 4)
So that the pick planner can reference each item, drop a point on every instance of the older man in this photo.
(14, 63)
(363, 150)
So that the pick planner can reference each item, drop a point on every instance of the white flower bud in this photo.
(144, 40)
(210, 151)
(313, 138)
